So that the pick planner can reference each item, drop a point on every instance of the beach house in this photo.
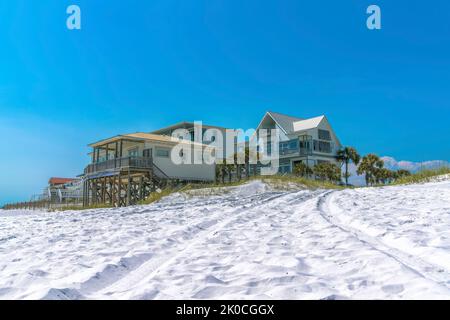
(126, 168)
(309, 141)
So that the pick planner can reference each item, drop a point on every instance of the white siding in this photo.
(181, 171)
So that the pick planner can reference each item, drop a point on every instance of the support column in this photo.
(103, 193)
(88, 193)
(84, 193)
(128, 202)
(116, 154)
(107, 151)
(114, 192)
(119, 190)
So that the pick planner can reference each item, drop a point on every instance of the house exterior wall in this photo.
(201, 172)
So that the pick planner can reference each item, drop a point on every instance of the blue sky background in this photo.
(140, 65)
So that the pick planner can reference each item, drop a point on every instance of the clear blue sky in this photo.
(140, 65)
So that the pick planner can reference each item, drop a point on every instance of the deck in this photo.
(119, 164)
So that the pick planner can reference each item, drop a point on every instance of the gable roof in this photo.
(291, 125)
(314, 123)
(307, 124)
(284, 121)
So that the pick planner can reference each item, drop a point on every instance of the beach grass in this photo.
(422, 176)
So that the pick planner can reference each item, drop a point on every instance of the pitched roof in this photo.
(60, 180)
(142, 136)
(150, 136)
(284, 121)
(185, 124)
(307, 124)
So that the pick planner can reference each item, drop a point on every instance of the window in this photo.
(147, 153)
(284, 166)
(133, 152)
(322, 146)
(305, 145)
(324, 135)
(290, 146)
(162, 153)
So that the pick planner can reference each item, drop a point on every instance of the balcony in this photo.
(306, 146)
(295, 147)
(119, 164)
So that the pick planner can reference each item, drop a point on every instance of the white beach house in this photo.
(310, 141)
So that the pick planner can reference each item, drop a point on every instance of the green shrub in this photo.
(302, 170)
(326, 171)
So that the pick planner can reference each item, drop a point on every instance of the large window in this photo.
(322, 146)
(287, 147)
(162, 153)
(324, 135)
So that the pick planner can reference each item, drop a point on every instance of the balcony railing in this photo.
(305, 147)
(120, 163)
(305, 151)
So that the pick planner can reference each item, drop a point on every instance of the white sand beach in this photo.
(251, 242)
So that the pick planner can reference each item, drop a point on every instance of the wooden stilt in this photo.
(128, 202)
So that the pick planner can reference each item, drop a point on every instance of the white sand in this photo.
(251, 242)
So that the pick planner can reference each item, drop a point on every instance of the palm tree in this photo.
(345, 156)
(369, 165)
(384, 175)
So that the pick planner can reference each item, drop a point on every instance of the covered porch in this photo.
(118, 153)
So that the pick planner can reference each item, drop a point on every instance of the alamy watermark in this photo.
(374, 20)
(227, 146)
(73, 21)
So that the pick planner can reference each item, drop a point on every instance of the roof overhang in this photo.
(142, 138)
(185, 125)
(117, 138)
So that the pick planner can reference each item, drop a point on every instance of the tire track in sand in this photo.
(416, 265)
